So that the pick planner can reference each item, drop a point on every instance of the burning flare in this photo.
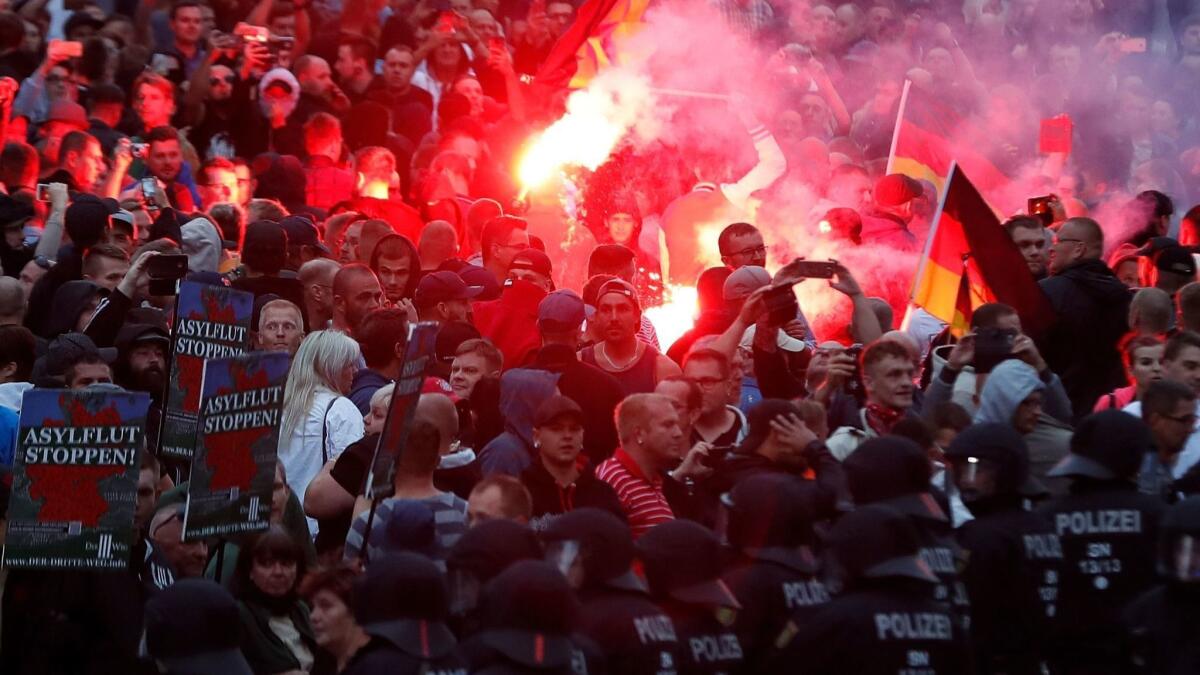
(676, 315)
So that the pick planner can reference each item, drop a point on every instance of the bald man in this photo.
(1093, 314)
(317, 278)
(12, 301)
(438, 243)
(356, 293)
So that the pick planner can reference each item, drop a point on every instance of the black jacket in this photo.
(596, 392)
(773, 585)
(1162, 632)
(550, 499)
(633, 633)
(1081, 347)
(1109, 535)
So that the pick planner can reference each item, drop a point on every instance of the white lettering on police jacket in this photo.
(913, 626)
(1105, 521)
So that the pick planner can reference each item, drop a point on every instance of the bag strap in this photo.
(325, 431)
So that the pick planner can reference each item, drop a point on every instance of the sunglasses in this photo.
(218, 80)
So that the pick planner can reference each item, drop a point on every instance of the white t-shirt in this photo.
(1191, 450)
(300, 450)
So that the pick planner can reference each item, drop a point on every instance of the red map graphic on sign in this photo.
(72, 492)
(230, 454)
(191, 368)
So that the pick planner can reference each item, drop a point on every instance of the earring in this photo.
(537, 444)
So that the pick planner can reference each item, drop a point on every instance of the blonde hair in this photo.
(384, 392)
(317, 365)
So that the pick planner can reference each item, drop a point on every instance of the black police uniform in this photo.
(885, 622)
(775, 574)
(682, 564)
(1108, 532)
(635, 636)
(894, 471)
(401, 603)
(479, 555)
(1161, 627)
(1014, 557)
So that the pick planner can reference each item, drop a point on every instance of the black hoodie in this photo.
(1081, 347)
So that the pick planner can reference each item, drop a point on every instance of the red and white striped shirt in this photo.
(642, 498)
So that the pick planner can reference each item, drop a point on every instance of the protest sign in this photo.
(75, 479)
(212, 322)
(417, 352)
(233, 470)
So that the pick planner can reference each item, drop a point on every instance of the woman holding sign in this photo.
(319, 422)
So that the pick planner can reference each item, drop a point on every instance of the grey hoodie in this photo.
(522, 390)
(1008, 384)
(202, 245)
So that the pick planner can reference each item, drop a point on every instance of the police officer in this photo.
(477, 557)
(895, 471)
(400, 602)
(594, 549)
(885, 621)
(774, 574)
(1108, 532)
(528, 613)
(1164, 635)
(682, 561)
(1014, 557)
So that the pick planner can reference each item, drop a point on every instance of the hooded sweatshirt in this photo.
(202, 245)
(522, 390)
(1009, 383)
(69, 302)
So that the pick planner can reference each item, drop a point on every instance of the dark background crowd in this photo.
(781, 486)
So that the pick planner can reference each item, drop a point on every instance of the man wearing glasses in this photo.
(1093, 309)
(502, 239)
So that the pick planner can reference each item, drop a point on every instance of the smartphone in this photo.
(167, 266)
(251, 33)
(781, 303)
(992, 345)
(815, 269)
(1039, 207)
(1132, 46)
(138, 150)
(74, 49)
(43, 192)
(149, 190)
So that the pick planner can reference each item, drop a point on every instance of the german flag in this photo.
(923, 144)
(589, 44)
(969, 260)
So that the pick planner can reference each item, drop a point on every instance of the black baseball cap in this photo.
(86, 220)
(450, 336)
(193, 628)
(532, 259)
(132, 334)
(301, 232)
(554, 407)
(1176, 259)
(438, 287)
(402, 599)
(682, 560)
(14, 212)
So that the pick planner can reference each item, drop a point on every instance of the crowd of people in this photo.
(769, 493)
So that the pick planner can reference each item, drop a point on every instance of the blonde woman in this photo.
(318, 420)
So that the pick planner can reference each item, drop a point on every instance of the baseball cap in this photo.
(13, 212)
(1176, 259)
(193, 628)
(301, 232)
(895, 189)
(68, 112)
(744, 281)
(124, 220)
(532, 259)
(561, 310)
(86, 220)
(438, 287)
(263, 238)
(132, 334)
(474, 275)
(450, 336)
(69, 348)
(554, 407)
(620, 287)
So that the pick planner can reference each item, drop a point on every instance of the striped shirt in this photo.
(449, 521)
(642, 499)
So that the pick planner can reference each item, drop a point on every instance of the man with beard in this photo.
(356, 293)
(142, 358)
(164, 161)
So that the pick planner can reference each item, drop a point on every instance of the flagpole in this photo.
(896, 129)
(933, 228)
